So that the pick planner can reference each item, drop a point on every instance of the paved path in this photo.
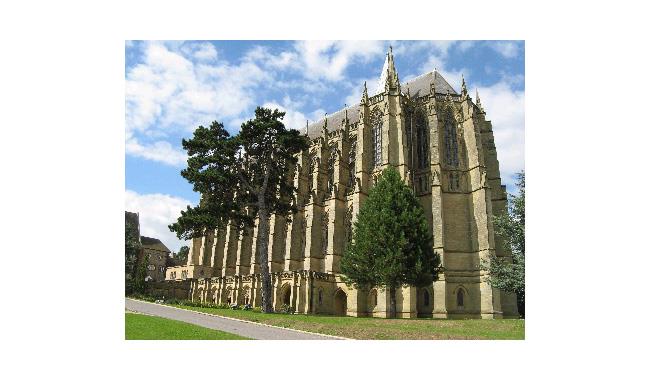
(242, 328)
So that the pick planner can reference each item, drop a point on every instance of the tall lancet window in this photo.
(376, 123)
(451, 142)
(330, 168)
(325, 224)
(352, 165)
(422, 128)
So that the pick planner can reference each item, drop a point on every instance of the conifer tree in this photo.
(240, 178)
(391, 243)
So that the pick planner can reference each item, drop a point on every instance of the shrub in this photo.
(286, 309)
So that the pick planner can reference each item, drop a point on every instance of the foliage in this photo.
(505, 274)
(391, 244)
(239, 178)
(181, 256)
(132, 249)
(286, 309)
(139, 283)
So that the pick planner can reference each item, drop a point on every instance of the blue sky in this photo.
(174, 86)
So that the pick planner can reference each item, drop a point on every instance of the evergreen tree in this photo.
(181, 256)
(240, 178)
(505, 273)
(391, 243)
(132, 248)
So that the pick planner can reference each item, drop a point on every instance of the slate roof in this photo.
(153, 243)
(418, 86)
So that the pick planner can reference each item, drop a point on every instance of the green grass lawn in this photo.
(379, 328)
(146, 327)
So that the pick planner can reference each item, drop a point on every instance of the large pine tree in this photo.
(239, 178)
(391, 243)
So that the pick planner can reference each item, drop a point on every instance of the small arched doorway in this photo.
(247, 295)
(228, 296)
(340, 302)
(286, 295)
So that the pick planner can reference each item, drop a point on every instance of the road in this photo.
(242, 328)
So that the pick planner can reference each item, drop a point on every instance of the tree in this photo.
(132, 249)
(508, 273)
(241, 178)
(181, 256)
(391, 245)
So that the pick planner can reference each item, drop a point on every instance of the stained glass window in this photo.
(352, 165)
(376, 123)
(423, 140)
(451, 143)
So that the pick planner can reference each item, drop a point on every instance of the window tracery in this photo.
(325, 221)
(348, 225)
(352, 165)
(376, 122)
(330, 168)
(422, 129)
(451, 142)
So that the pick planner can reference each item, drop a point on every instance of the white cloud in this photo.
(169, 93)
(508, 49)
(205, 51)
(329, 59)
(463, 46)
(159, 151)
(505, 107)
(354, 96)
(292, 119)
(157, 211)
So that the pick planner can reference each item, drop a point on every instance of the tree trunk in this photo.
(392, 307)
(263, 246)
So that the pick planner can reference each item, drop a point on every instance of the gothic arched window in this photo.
(320, 296)
(348, 225)
(376, 124)
(451, 143)
(422, 129)
(313, 162)
(325, 231)
(425, 297)
(460, 298)
(330, 168)
(352, 165)
(302, 235)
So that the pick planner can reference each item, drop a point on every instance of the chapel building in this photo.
(443, 147)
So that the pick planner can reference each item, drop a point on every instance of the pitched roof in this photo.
(418, 86)
(153, 243)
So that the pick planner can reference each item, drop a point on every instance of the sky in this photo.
(172, 87)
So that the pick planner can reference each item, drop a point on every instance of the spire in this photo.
(463, 88)
(393, 79)
(388, 78)
(346, 126)
(324, 130)
(478, 102)
(307, 129)
(364, 96)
